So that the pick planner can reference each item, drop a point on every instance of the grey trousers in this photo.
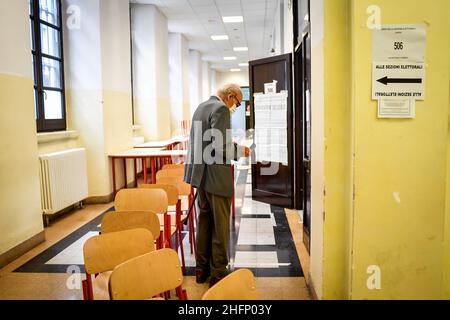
(213, 233)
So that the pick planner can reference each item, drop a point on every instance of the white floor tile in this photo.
(73, 255)
(256, 259)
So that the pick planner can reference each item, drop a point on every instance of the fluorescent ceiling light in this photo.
(235, 70)
(220, 37)
(238, 49)
(243, 64)
(229, 58)
(234, 19)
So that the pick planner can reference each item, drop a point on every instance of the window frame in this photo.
(46, 125)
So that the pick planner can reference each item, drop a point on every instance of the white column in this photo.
(178, 81)
(206, 92)
(151, 71)
(98, 85)
(196, 79)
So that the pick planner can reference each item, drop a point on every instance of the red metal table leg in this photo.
(125, 173)
(114, 175)
(152, 161)
(135, 173)
(144, 168)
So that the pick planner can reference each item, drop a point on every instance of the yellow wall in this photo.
(446, 247)
(20, 214)
(338, 159)
(405, 159)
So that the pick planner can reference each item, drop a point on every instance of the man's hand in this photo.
(246, 152)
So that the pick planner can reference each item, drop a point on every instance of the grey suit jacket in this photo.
(208, 164)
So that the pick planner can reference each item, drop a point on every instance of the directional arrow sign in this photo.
(387, 80)
(398, 80)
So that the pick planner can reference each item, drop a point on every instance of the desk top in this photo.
(163, 143)
(148, 153)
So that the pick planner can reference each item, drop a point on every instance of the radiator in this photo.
(63, 180)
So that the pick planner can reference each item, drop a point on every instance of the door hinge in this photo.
(324, 216)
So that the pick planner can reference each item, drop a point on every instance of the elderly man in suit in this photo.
(208, 168)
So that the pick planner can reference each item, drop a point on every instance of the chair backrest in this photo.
(121, 221)
(173, 167)
(154, 200)
(105, 252)
(240, 285)
(170, 173)
(184, 189)
(171, 190)
(146, 276)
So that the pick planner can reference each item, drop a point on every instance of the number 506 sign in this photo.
(399, 43)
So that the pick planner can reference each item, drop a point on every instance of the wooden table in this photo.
(152, 154)
(167, 144)
(144, 155)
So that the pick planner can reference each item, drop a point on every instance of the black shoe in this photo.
(214, 281)
(201, 275)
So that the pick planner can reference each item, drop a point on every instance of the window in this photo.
(48, 62)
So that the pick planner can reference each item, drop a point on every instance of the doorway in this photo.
(302, 85)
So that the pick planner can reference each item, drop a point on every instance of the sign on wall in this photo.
(398, 70)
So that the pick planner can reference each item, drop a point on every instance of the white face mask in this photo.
(233, 109)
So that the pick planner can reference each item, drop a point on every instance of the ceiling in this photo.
(198, 20)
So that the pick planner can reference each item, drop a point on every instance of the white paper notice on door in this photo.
(271, 138)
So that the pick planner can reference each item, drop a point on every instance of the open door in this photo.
(275, 189)
(302, 74)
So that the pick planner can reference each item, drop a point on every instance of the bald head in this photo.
(231, 94)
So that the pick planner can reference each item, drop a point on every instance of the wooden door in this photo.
(274, 189)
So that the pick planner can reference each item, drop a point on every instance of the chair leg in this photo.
(191, 235)
(85, 290)
(89, 288)
(182, 295)
(192, 232)
(180, 236)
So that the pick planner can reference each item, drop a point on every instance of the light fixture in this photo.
(229, 58)
(240, 49)
(243, 64)
(235, 70)
(220, 37)
(233, 19)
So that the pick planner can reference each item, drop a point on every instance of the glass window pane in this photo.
(49, 11)
(32, 35)
(53, 105)
(36, 104)
(50, 41)
(51, 73)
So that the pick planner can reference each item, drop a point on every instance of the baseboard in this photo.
(311, 288)
(18, 251)
(105, 199)
(99, 200)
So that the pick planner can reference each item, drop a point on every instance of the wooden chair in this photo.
(174, 172)
(121, 221)
(176, 220)
(154, 200)
(184, 191)
(240, 285)
(103, 253)
(173, 167)
(147, 276)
